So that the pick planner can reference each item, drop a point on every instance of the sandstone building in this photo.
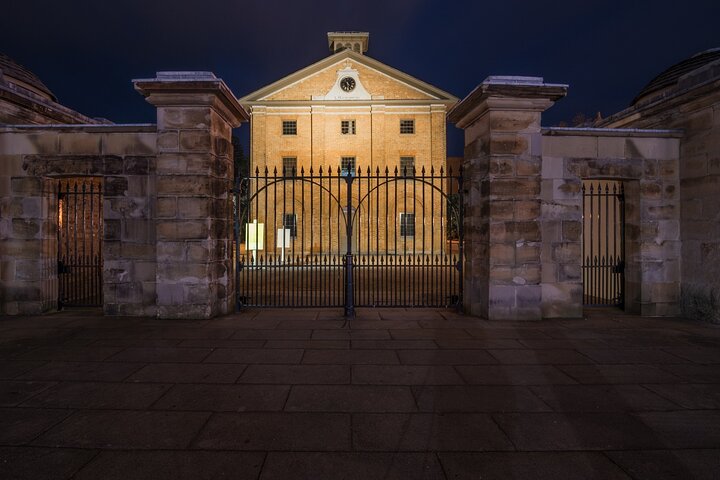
(349, 113)
(166, 222)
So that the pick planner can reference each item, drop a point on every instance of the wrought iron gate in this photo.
(349, 238)
(80, 230)
(603, 243)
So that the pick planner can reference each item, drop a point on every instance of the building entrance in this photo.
(603, 248)
(79, 235)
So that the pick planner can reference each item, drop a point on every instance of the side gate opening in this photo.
(603, 247)
(348, 239)
(79, 234)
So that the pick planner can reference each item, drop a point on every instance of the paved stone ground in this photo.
(394, 394)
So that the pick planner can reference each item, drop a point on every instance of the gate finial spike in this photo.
(441, 170)
(377, 171)
(302, 171)
(422, 170)
(321, 170)
(311, 170)
(396, 170)
(275, 171)
(387, 170)
(432, 170)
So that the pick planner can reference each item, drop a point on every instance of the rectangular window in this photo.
(289, 127)
(347, 166)
(347, 127)
(407, 126)
(289, 168)
(407, 166)
(290, 222)
(407, 224)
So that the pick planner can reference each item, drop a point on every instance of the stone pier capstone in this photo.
(195, 115)
(502, 165)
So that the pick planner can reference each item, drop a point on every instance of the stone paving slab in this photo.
(99, 395)
(601, 398)
(467, 432)
(276, 432)
(173, 465)
(123, 429)
(184, 373)
(522, 465)
(42, 463)
(395, 393)
(352, 466)
(669, 464)
(19, 426)
(405, 375)
(577, 431)
(467, 398)
(350, 398)
(296, 374)
(13, 393)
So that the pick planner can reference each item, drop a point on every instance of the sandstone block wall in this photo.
(167, 218)
(524, 205)
(32, 159)
(503, 235)
(647, 164)
(196, 113)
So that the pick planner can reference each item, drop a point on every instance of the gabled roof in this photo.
(436, 95)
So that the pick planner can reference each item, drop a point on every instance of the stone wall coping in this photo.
(100, 128)
(533, 90)
(610, 132)
(43, 106)
(666, 101)
(191, 88)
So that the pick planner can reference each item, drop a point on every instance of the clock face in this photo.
(347, 84)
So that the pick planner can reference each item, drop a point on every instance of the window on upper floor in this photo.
(289, 127)
(347, 127)
(407, 126)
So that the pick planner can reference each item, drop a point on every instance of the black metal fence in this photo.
(349, 238)
(603, 265)
(80, 230)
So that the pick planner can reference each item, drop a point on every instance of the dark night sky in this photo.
(87, 52)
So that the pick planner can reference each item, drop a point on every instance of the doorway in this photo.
(79, 235)
(603, 245)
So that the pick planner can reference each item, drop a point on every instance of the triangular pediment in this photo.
(320, 82)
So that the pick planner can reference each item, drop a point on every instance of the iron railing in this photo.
(603, 265)
(80, 230)
(329, 238)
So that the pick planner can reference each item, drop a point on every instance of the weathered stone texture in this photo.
(503, 167)
(194, 178)
(649, 173)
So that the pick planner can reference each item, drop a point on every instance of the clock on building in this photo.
(347, 84)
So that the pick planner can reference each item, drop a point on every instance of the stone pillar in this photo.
(195, 115)
(501, 119)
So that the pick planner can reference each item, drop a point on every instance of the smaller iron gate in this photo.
(603, 265)
(349, 238)
(79, 233)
